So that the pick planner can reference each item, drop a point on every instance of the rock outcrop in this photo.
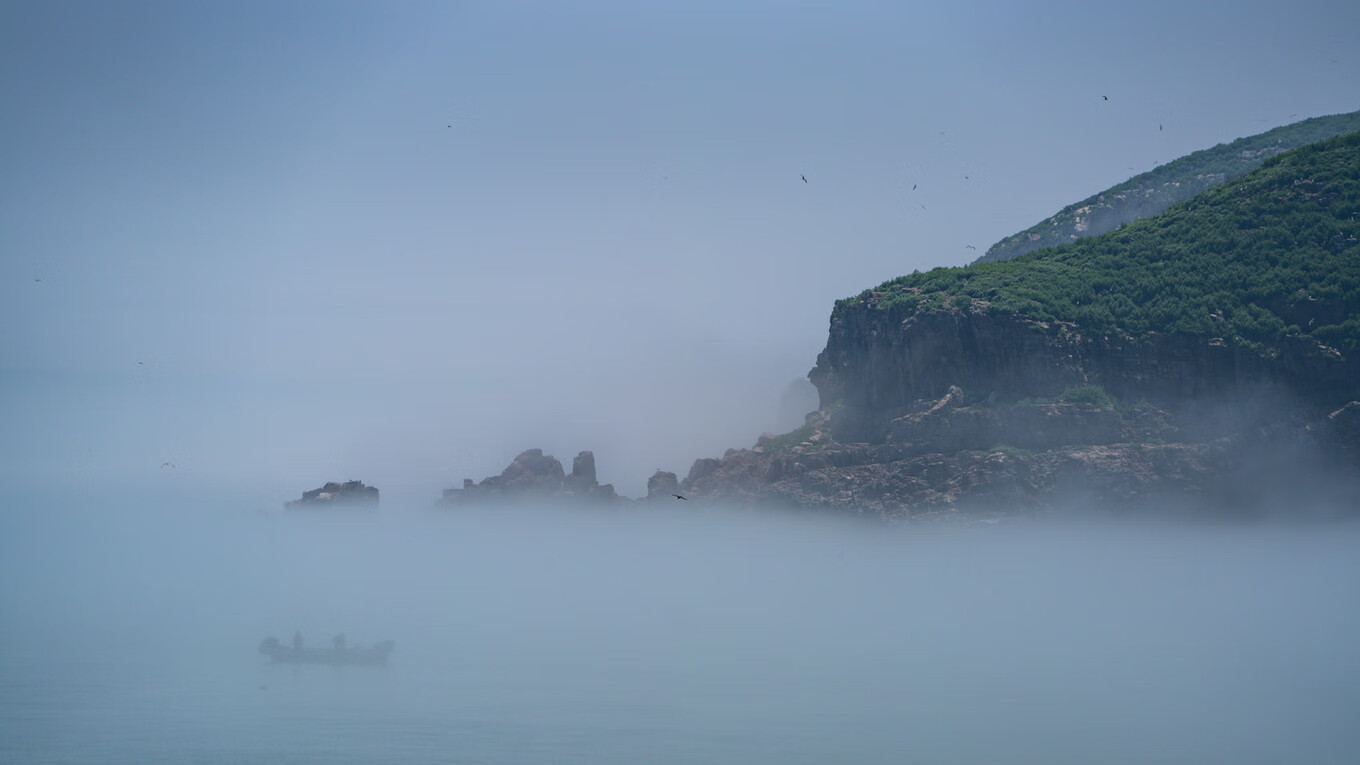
(535, 477)
(952, 461)
(350, 494)
(662, 486)
(959, 413)
(879, 364)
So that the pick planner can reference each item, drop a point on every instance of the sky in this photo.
(273, 244)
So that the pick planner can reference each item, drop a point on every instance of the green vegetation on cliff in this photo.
(1275, 252)
(1152, 192)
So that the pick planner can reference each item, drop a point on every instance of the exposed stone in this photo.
(350, 494)
(882, 364)
(534, 476)
(977, 462)
(583, 468)
(532, 472)
(662, 485)
(1342, 428)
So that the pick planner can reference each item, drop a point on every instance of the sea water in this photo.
(129, 635)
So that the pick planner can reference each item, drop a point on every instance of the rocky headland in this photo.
(1174, 425)
(1205, 360)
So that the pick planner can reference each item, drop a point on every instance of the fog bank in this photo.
(813, 637)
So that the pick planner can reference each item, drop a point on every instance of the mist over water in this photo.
(537, 635)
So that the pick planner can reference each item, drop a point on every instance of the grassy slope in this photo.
(1274, 252)
(1154, 191)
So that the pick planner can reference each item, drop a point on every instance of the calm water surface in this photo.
(130, 636)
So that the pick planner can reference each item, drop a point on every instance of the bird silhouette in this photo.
(1107, 98)
(677, 496)
(804, 177)
(913, 187)
(969, 246)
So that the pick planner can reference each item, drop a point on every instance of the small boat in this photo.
(338, 655)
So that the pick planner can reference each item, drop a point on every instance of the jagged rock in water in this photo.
(352, 494)
(662, 486)
(582, 476)
(532, 472)
(534, 476)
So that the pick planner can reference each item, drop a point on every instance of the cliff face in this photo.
(972, 462)
(879, 364)
(961, 414)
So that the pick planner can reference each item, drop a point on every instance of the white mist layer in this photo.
(817, 638)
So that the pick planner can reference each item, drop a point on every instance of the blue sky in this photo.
(282, 243)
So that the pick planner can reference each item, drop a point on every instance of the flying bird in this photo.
(971, 247)
(804, 177)
(913, 187)
(167, 464)
(677, 496)
(1107, 98)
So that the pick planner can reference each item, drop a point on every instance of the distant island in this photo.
(349, 494)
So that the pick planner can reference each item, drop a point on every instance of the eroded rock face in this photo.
(662, 486)
(582, 472)
(954, 460)
(881, 364)
(352, 494)
(535, 477)
(532, 472)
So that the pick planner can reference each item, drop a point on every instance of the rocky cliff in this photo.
(1208, 357)
(879, 364)
(950, 459)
